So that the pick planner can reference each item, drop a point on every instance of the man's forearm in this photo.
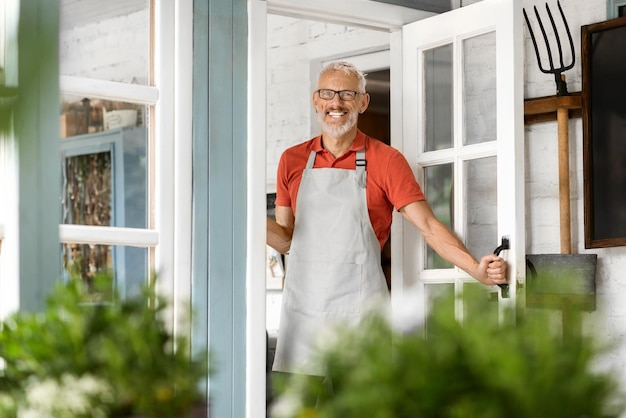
(452, 249)
(278, 237)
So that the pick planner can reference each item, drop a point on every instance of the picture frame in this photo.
(603, 48)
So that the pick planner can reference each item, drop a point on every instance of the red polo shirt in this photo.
(390, 180)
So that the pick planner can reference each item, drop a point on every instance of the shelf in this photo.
(544, 109)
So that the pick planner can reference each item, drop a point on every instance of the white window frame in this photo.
(169, 98)
(9, 286)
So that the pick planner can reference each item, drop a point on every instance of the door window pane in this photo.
(438, 114)
(481, 205)
(105, 40)
(438, 187)
(479, 88)
(480, 302)
(441, 295)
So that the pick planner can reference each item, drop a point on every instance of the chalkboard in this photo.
(604, 132)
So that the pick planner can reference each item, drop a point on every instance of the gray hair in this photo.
(347, 68)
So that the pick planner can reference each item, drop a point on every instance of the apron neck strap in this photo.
(361, 162)
(361, 173)
(311, 160)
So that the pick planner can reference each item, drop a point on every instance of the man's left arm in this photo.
(490, 270)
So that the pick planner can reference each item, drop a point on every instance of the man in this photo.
(334, 203)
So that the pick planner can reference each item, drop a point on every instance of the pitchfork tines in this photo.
(561, 85)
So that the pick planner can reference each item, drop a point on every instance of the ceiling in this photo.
(437, 6)
(83, 12)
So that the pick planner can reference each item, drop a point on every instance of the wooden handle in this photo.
(564, 178)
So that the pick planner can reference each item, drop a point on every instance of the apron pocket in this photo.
(333, 288)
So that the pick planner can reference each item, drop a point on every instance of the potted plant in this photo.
(78, 359)
(450, 370)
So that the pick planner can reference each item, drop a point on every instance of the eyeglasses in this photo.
(346, 95)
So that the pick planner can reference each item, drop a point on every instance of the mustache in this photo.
(336, 109)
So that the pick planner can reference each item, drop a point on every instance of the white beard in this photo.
(338, 130)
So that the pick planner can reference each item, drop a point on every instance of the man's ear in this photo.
(365, 102)
(315, 99)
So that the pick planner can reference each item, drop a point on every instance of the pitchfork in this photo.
(561, 85)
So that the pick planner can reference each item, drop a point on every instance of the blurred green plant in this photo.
(478, 369)
(126, 345)
(8, 100)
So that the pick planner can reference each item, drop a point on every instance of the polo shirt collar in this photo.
(357, 144)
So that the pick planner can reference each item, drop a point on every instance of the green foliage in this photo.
(125, 344)
(477, 369)
(7, 106)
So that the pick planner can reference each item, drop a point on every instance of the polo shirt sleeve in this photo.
(282, 183)
(402, 187)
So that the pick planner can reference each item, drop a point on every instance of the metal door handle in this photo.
(503, 246)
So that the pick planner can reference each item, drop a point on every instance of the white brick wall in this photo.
(97, 51)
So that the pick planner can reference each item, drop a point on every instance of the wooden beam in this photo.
(544, 109)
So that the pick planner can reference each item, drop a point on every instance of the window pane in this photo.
(104, 268)
(481, 205)
(9, 17)
(3, 39)
(105, 172)
(478, 299)
(438, 189)
(479, 88)
(88, 189)
(105, 40)
(435, 295)
(438, 117)
(84, 115)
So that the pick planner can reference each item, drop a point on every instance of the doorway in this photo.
(296, 50)
(375, 122)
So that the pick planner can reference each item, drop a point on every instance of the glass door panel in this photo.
(439, 293)
(479, 88)
(438, 118)
(481, 204)
(438, 187)
(476, 300)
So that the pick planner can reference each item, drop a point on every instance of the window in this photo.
(615, 8)
(117, 139)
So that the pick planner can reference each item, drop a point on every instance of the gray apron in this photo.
(333, 272)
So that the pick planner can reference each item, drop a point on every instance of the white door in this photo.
(463, 135)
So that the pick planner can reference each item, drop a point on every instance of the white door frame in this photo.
(360, 13)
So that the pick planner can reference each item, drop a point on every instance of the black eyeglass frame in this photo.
(340, 93)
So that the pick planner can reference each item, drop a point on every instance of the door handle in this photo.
(503, 246)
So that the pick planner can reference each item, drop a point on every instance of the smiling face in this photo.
(339, 117)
